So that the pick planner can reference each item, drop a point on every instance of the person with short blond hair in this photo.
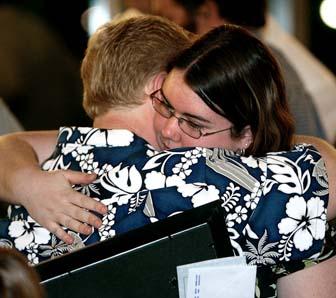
(124, 64)
(116, 66)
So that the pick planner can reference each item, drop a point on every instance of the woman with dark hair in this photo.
(226, 90)
(237, 94)
(207, 14)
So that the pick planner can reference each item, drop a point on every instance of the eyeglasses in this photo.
(161, 106)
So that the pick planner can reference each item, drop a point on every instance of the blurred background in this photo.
(43, 43)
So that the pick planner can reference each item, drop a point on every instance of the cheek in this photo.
(157, 124)
(186, 141)
(225, 142)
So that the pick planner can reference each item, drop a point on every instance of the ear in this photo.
(155, 83)
(246, 137)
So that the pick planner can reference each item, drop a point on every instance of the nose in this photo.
(171, 130)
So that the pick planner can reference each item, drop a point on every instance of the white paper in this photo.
(230, 282)
(183, 270)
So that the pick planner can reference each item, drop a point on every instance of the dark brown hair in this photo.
(236, 75)
(17, 278)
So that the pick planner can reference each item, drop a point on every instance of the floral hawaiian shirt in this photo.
(275, 205)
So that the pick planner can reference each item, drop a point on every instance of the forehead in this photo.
(178, 93)
(184, 100)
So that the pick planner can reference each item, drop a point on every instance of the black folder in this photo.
(141, 262)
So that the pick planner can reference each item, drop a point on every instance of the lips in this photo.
(163, 144)
(165, 147)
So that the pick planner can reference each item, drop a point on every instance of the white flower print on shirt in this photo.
(254, 163)
(155, 180)
(84, 130)
(289, 176)
(305, 222)
(201, 193)
(188, 158)
(123, 183)
(104, 169)
(88, 189)
(106, 231)
(182, 170)
(261, 254)
(253, 198)
(239, 215)
(57, 247)
(102, 137)
(26, 232)
(151, 151)
(234, 235)
(87, 163)
(230, 197)
(191, 157)
(32, 250)
(79, 151)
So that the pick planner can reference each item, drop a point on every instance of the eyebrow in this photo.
(184, 114)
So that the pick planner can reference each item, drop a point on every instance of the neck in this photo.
(138, 120)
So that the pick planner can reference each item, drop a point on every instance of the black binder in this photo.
(141, 262)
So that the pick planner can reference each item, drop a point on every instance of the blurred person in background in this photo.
(319, 81)
(8, 122)
(178, 11)
(143, 6)
(204, 15)
(39, 77)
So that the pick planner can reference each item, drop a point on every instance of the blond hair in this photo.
(121, 58)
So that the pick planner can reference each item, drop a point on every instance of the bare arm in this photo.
(318, 281)
(48, 196)
(328, 153)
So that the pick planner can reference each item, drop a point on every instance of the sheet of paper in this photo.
(182, 271)
(236, 281)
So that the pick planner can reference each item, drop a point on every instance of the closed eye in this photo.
(193, 125)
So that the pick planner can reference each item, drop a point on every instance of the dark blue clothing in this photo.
(275, 205)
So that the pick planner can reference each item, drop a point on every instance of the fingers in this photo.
(77, 226)
(60, 233)
(63, 206)
(76, 198)
(89, 203)
(83, 216)
(75, 177)
(71, 224)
